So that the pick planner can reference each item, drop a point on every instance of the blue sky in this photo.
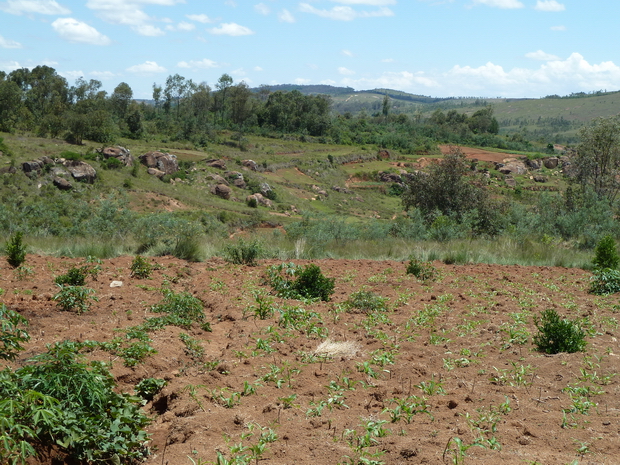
(486, 48)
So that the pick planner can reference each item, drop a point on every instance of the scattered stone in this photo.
(165, 162)
(81, 171)
(551, 162)
(540, 179)
(452, 404)
(222, 190)
(532, 164)
(408, 453)
(260, 200)
(155, 172)
(510, 181)
(116, 284)
(218, 179)
(383, 154)
(61, 183)
(250, 164)
(390, 177)
(219, 164)
(120, 153)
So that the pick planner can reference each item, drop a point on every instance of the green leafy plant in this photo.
(243, 253)
(557, 335)
(365, 302)
(606, 253)
(59, 401)
(15, 250)
(182, 309)
(73, 277)
(141, 268)
(605, 281)
(424, 271)
(148, 388)
(75, 298)
(293, 282)
(12, 335)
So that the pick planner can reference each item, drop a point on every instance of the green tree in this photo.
(221, 98)
(597, 164)
(120, 100)
(451, 189)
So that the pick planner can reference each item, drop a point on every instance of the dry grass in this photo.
(337, 349)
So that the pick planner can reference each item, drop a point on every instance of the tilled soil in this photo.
(447, 374)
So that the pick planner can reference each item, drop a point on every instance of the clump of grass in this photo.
(365, 302)
(141, 268)
(424, 271)
(243, 253)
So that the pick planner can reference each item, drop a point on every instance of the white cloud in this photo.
(366, 2)
(345, 72)
(347, 53)
(286, 16)
(490, 80)
(182, 26)
(258, 68)
(71, 75)
(539, 55)
(199, 18)
(102, 75)
(549, 5)
(43, 7)
(9, 66)
(302, 81)
(231, 29)
(7, 43)
(77, 31)
(205, 63)
(505, 4)
(387, 60)
(344, 13)
(262, 9)
(558, 28)
(130, 13)
(148, 67)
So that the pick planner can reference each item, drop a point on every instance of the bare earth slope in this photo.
(459, 347)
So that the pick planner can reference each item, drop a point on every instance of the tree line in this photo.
(42, 102)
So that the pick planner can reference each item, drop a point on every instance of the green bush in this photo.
(366, 302)
(243, 253)
(605, 281)
(556, 335)
(73, 277)
(424, 271)
(606, 253)
(112, 164)
(15, 250)
(11, 335)
(294, 282)
(150, 387)
(182, 308)
(74, 298)
(141, 268)
(59, 402)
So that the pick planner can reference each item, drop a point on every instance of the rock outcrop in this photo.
(161, 161)
(120, 153)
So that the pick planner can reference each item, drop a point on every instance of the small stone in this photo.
(116, 283)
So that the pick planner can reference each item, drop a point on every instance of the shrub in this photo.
(556, 335)
(606, 253)
(243, 253)
(141, 268)
(366, 302)
(112, 164)
(71, 407)
(15, 250)
(424, 271)
(149, 387)
(605, 281)
(182, 308)
(11, 335)
(293, 282)
(73, 277)
(74, 298)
